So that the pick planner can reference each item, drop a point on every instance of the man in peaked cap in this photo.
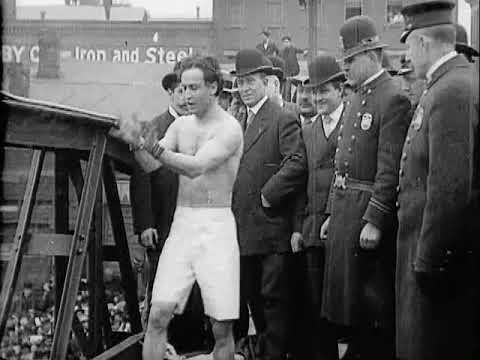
(438, 195)
(410, 84)
(462, 46)
(320, 136)
(272, 173)
(359, 249)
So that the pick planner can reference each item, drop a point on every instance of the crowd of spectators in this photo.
(29, 330)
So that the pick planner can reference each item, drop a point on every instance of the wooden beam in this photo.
(81, 237)
(11, 274)
(128, 279)
(121, 347)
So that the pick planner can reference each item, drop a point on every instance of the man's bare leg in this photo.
(155, 341)
(224, 344)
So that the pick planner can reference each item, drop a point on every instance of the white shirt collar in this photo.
(337, 113)
(373, 77)
(172, 112)
(312, 119)
(255, 108)
(439, 63)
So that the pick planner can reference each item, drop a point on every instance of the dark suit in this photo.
(154, 198)
(438, 208)
(273, 164)
(359, 284)
(289, 54)
(271, 50)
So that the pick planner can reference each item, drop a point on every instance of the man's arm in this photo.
(211, 155)
(169, 142)
(292, 175)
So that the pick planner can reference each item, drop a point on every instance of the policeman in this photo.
(438, 195)
(359, 250)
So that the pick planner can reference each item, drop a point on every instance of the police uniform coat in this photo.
(438, 187)
(273, 164)
(359, 284)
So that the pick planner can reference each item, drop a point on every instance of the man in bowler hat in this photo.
(438, 195)
(320, 135)
(154, 197)
(360, 245)
(272, 173)
(267, 47)
(462, 46)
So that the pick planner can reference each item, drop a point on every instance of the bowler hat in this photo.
(322, 69)
(461, 42)
(420, 14)
(229, 86)
(170, 80)
(405, 67)
(298, 80)
(286, 37)
(278, 66)
(358, 34)
(251, 61)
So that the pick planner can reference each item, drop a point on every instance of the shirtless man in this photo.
(205, 149)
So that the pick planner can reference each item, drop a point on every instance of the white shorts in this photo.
(202, 246)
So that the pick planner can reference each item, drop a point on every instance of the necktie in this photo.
(327, 121)
(250, 117)
(307, 121)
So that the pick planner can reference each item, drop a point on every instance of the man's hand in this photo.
(265, 202)
(149, 238)
(324, 229)
(296, 241)
(129, 130)
(370, 237)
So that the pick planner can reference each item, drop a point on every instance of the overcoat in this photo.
(273, 164)
(359, 284)
(320, 157)
(271, 50)
(289, 54)
(437, 215)
(154, 196)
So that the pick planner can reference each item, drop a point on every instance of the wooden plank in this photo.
(13, 268)
(128, 279)
(95, 284)
(121, 347)
(60, 218)
(40, 245)
(81, 237)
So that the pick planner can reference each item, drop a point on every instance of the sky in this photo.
(156, 8)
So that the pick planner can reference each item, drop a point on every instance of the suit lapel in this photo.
(257, 127)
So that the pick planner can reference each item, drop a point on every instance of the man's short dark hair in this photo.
(208, 65)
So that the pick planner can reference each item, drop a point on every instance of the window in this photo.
(394, 15)
(236, 12)
(275, 12)
(353, 8)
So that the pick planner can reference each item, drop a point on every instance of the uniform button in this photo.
(346, 174)
(398, 188)
(346, 163)
(359, 114)
(408, 139)
(404, 156)
(337, 150)
(341, 126)
(397, 204)
(348, 102)
(353, 137)
(400, 172)
(363, 102)
(355, 125)
(339, 137)
(349, 149)
(369, 91)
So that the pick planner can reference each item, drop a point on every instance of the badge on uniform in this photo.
(417, 118)
(366, 122)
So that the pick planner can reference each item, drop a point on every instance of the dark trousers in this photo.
(322, 334)
(264, 288)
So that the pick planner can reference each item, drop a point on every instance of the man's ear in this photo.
(213, 88)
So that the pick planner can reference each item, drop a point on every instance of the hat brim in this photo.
(231, 91)
(169, 79)
(338, 76)
(361, 49)
(404, 71)
(466, 49)
(268, 70)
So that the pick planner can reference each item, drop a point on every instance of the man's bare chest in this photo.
(193, 138)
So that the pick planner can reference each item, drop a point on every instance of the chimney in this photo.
(198, 12)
